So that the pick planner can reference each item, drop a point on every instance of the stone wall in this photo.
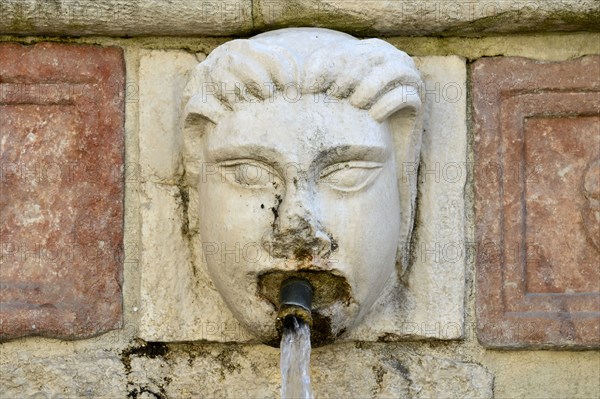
(512, 117)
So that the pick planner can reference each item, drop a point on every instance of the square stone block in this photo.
(537, 181)
(61, 207)
(178, 300)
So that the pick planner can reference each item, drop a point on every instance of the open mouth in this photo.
(328, 287)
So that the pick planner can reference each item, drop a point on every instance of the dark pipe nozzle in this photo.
(295, 299)
(296, 292)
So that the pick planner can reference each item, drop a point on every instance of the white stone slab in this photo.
(431, 301)
(163, 76)
(438, 276)
(179, 303)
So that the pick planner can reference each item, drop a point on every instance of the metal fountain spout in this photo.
(295, 298)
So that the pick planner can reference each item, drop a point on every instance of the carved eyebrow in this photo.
(247, 151)
(273, 157)
(345, 153)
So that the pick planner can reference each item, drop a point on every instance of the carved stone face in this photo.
(299, 188)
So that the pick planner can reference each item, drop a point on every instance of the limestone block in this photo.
(440, 250)
(163, 76)
(381, 371)
(179, 303)
(124, 17)
(404, 17)
(97, 374)
(240, 17)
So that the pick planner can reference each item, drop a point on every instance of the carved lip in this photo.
(293, 265)
(329, 286)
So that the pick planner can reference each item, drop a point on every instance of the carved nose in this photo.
(297, 233)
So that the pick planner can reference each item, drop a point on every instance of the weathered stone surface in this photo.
(89, 374)
(61, 206)
(240, 17)
(126, 18)
(184, 370)
(178, 300)
(544, 374)
(441, 250)
(163, 76)
(546, 47)
(537, 212)
(430, 17)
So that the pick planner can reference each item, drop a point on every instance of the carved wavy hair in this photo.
(370, 74)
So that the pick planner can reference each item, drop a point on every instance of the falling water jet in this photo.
(294, 321)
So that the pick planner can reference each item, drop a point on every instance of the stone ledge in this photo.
(243, 17)
(337, 371)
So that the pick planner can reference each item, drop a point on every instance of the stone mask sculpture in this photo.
(294, 140)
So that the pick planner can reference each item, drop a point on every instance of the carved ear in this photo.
(194, 127)
(404, 96)
(202, 96)
(406, 125)
(205, 106)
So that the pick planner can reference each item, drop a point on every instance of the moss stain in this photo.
(183, 200)
(150, 350)
(379, 372)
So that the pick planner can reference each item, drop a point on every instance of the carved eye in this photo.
(350, 176)
(249, 173)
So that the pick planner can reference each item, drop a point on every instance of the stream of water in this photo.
(295, 361)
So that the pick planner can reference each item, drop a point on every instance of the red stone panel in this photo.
(537, 202)
(61, 201)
